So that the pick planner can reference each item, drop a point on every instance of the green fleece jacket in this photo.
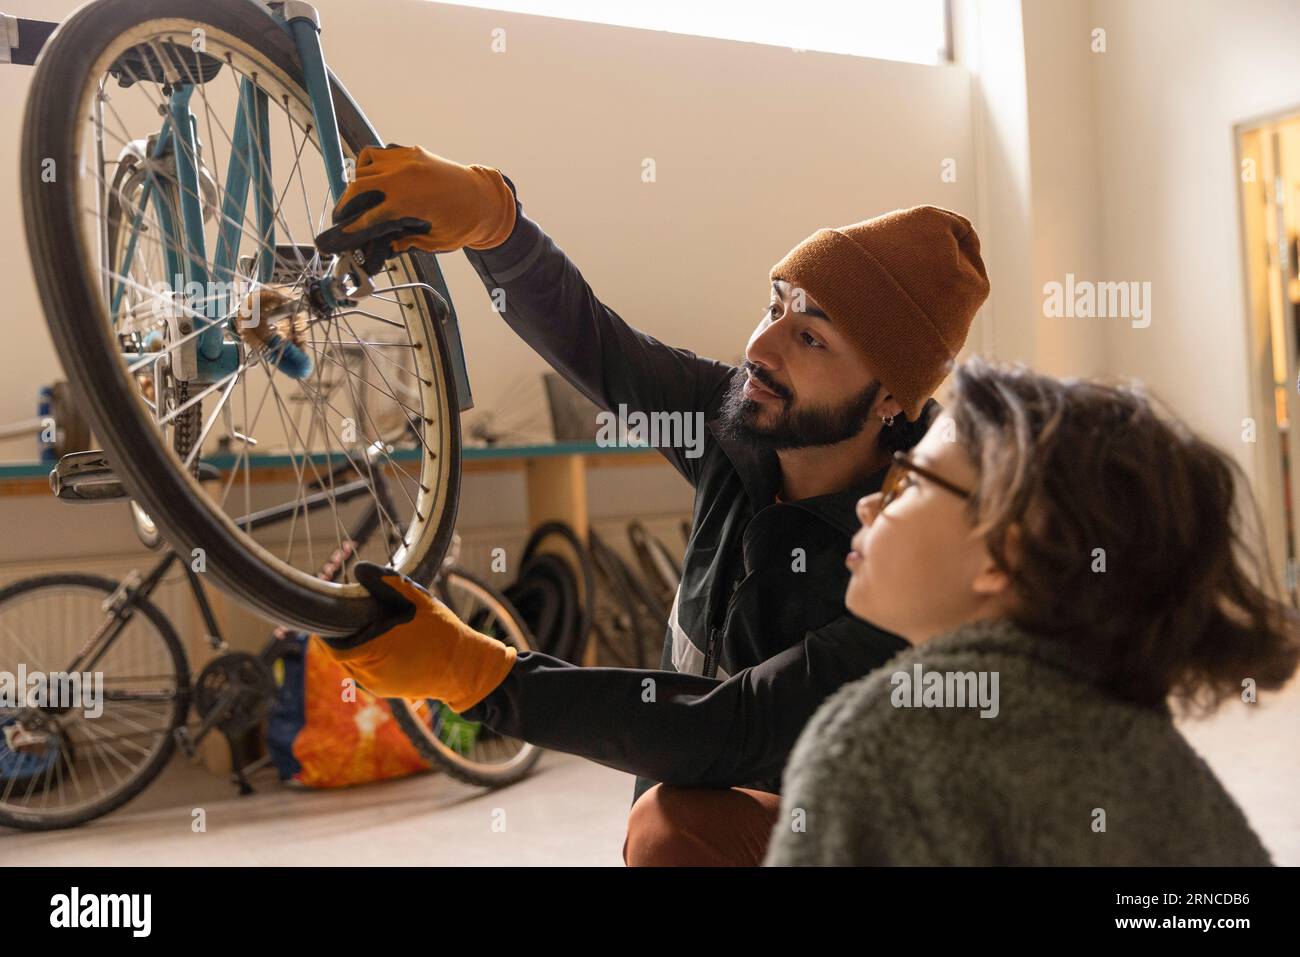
(1056, 771)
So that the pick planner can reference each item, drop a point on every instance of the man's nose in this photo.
(764, 346)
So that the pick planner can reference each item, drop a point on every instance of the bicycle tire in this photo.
(29, 822)
(660, 571)
(172, 498)
(544, 595)
(624, 589)
(572, 644)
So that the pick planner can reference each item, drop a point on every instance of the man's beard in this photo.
(793, 428)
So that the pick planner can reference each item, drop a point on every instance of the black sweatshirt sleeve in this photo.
(683, 729)
(545, 299)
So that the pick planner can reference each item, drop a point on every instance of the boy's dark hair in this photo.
(1185, 607)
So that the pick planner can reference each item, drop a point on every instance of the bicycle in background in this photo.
(61, 766)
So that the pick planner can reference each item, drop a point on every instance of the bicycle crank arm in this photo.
(185, 742)
(190, 740)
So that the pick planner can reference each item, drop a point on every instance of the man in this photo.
(861, 326)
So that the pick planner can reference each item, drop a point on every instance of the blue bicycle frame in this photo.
(250, 167)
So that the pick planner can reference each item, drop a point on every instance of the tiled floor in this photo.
(1255, 751)
(570, 812)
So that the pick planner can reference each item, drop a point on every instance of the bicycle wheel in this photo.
(555, 590)
(469, 750)
(134, 327)
(62, 764)
(630, 619)
(660, 569)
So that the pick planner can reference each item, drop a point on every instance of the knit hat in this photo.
(902, 288)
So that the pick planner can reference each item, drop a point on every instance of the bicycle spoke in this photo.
(197, 195)
(383, 512)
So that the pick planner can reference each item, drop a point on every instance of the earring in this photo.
(887, 420)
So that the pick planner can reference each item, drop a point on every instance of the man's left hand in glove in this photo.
(405, 197)
(417, 648)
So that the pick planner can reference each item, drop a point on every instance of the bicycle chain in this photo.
(185, 427)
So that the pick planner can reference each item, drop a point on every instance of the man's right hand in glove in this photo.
(405, 196)
(417, 648)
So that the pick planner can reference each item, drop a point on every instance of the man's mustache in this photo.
(757, 373)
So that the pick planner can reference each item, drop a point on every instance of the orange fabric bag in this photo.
(348, 736)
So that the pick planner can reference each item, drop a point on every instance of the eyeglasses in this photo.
(896, 480)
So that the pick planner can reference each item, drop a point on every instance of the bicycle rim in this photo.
(387, 355)
(81, 762)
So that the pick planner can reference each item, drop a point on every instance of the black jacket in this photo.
(758, 635)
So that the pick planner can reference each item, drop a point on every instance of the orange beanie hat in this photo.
(902, 287)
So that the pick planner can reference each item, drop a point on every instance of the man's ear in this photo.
(887, 406)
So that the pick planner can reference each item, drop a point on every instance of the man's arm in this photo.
(546, 300)
(684, 729)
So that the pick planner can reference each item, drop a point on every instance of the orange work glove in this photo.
(405, 196)
(417, 648)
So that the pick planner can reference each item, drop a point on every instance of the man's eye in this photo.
(811, 340)
(773, 310)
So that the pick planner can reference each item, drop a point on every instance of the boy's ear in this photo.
(993, 581)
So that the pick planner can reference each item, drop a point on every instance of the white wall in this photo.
(756, 147)
(1037, 155)
(1116, 165)
(1176, 78)
(1127, 157)
(988, 41)
(1119, 166)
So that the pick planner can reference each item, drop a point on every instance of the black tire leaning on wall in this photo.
(559, 595)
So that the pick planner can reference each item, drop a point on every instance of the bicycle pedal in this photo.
(185, 743)
(85, 477)
(21, 740)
